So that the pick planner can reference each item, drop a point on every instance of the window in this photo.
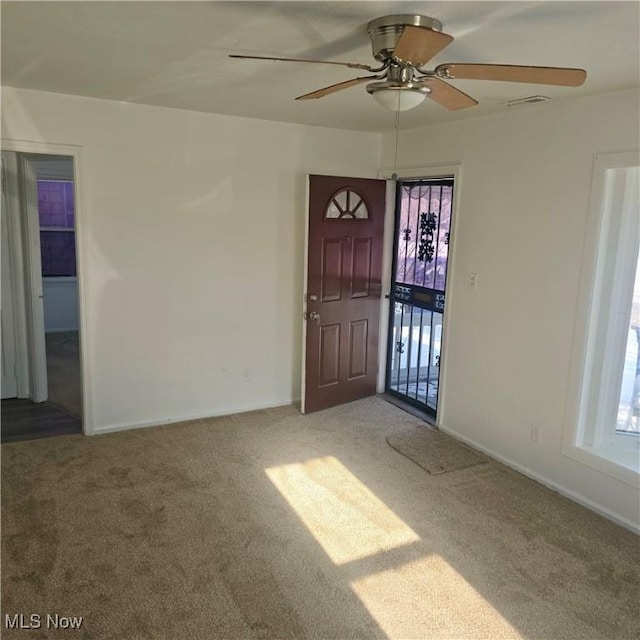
(347, 204)
(628, 405)
(57, 236)
(607, 430)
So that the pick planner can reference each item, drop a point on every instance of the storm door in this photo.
(418, 290)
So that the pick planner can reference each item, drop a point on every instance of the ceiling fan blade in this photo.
(449, 97)
(320, 93)
(351, 65)
(513, 73)
(417, 45)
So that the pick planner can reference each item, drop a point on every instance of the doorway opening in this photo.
(41, 374)
(418, 290)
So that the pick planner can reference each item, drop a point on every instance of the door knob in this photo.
(314, 315)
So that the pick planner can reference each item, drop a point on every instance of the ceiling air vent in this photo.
(528, 100)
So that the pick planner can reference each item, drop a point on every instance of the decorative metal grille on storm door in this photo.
(423, 220)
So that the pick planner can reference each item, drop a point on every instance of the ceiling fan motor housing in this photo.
(384, 32)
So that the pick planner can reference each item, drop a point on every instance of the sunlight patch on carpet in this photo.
(428, 598)
(344, 516)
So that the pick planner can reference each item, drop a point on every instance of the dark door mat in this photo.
(26, 420)
(434, 451)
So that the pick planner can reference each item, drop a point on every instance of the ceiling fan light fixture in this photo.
(398, 97)
(396, 100)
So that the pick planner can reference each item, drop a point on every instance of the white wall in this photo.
(60, 304)
(523, 204)
(192, 228)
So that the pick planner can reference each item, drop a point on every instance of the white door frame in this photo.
(305, 276)
(434, 171)
(82, 238)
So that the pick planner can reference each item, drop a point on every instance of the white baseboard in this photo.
(228, 411)
(567, 493)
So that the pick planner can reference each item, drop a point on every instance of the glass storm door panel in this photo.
(418, 290)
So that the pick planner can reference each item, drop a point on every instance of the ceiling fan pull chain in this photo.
(394, 175)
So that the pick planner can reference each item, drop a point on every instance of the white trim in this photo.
(385, 300)
(587, 313)
(562, 490)
(45, 148)
(601, 463)
(229, 411)
(82, 244)
(429, 172)
(438, 170)
(60, 280)
(305, 276)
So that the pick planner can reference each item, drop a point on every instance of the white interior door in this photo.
(9, 343)
(25, 354)
(33, 280)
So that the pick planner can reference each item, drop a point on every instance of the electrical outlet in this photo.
(247, 375)
(473, 281)
(535, 434)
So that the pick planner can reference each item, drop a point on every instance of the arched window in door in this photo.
(346, 204)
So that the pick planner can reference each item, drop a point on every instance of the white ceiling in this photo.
(174, 54)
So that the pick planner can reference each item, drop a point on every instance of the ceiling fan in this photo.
(403, 44)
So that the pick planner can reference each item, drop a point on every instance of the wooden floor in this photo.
(25, 420)
(63, 371)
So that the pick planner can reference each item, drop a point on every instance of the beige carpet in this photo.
(435, 452)
(275, 525)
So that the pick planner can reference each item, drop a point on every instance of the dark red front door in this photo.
(346, 223)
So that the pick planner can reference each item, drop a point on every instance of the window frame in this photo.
(602, 321)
